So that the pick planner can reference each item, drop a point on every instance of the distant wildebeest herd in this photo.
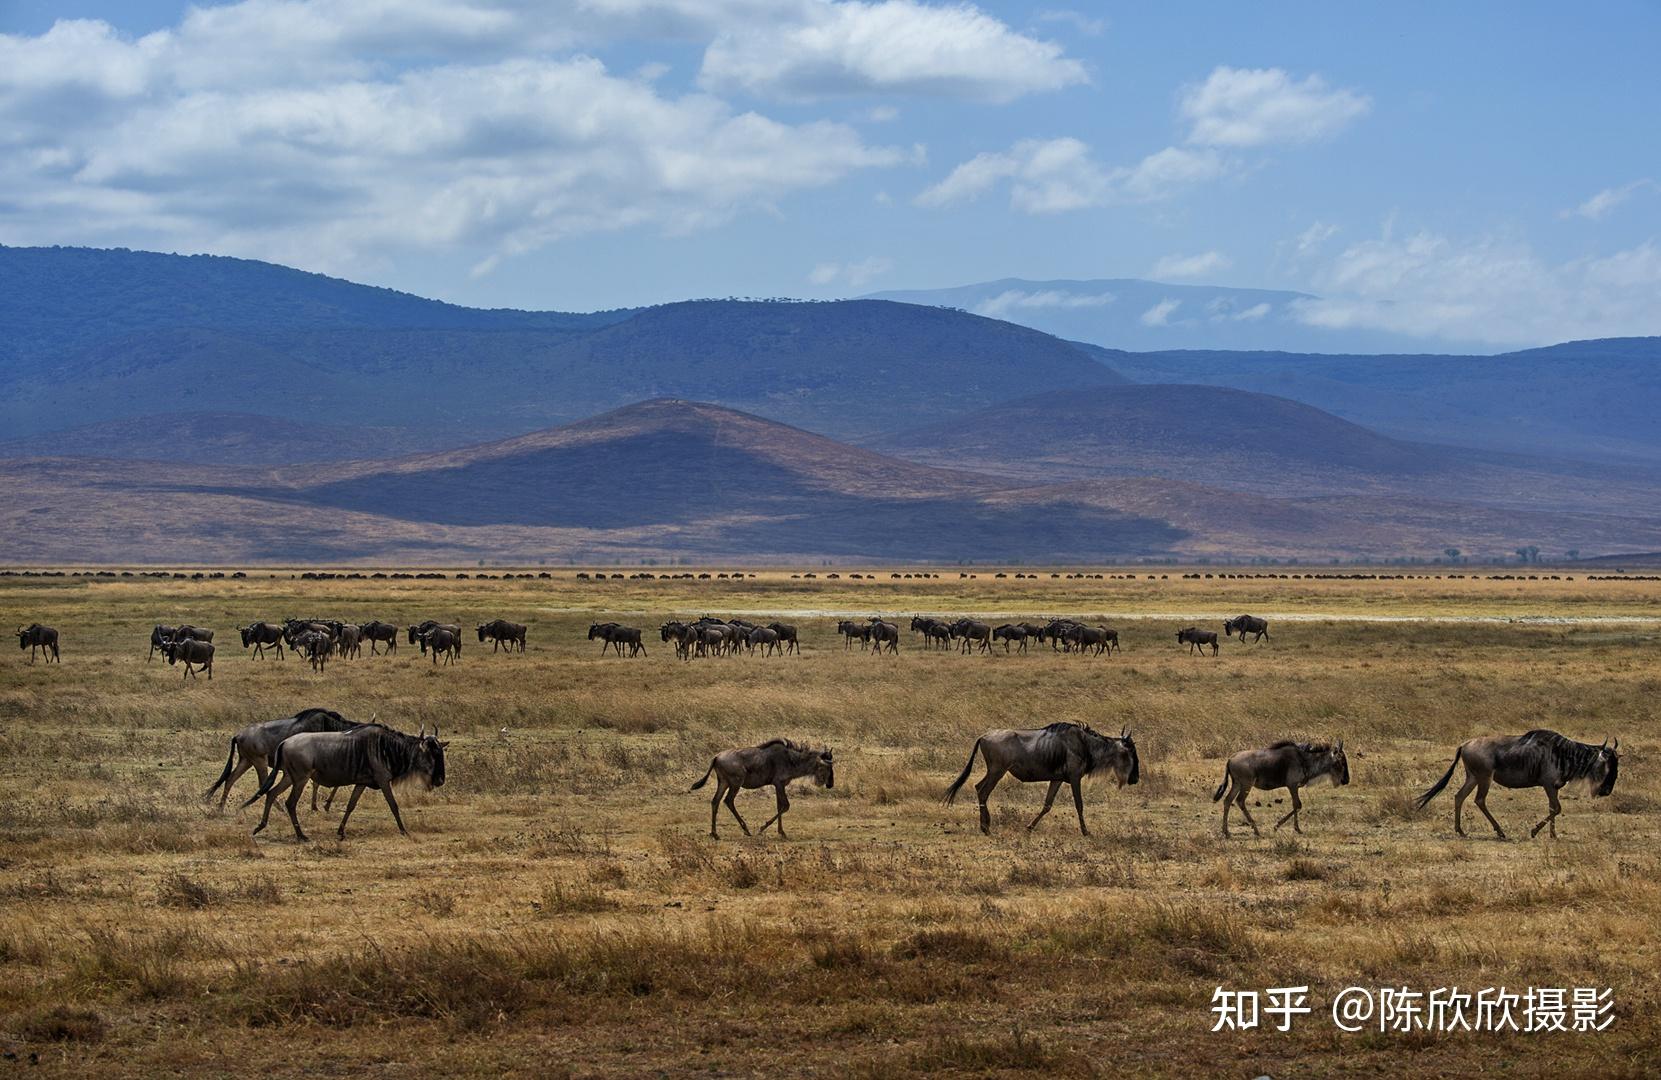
(322, 748)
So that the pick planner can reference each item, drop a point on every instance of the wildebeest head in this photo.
(824, 772)
(1609, 763)
(1118, 754)
(1331, 761)
(428, 761)
(243, 630)
(1129, 743)
(23, 637)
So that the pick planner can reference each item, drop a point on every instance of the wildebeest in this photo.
(1009, 633)
(423, 627)
(376, 631)
(367, 756)
(764, 636)
(191, 651)
(260, 635)
(442, 639)
(972, 632)
(1541, 758)
(603, 631)
(1198, 639)
(1055, 632)
(254, 745)
(503, 634)
(1081, 637)
(885, 633)
(776, 763)
(787, 636)
(1247, 624)
(1286, 764)
(1059, 753)
(315, 646)
(348, 640)
(852, 631)
(35, 636)
(160, 635)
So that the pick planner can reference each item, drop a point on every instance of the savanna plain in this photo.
(561, 910)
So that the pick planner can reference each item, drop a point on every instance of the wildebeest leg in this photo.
(293, 803)
(1459, 801)
(1049, 798)
(329, 803)
(351, 804)
(1551, 818)
(983, 791)
(392, 803)
(784, 804)
(1293, 813)
(1240, 791)
(732, 793)
(1078, 804)
(271, 797)
(1482, 804)
(715, 806)
(242, 767)
(1228, 803)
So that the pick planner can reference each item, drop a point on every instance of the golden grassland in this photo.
(561, 910)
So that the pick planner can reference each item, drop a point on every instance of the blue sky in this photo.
(1478, 173)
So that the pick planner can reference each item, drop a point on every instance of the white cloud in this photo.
(1084, 24)
(283, 129)
(1160, 314)
(1048, 176)
(1489, 290)
(1191, 266)
(855, 274)
(1016, 300)
(1241, 107)
(1251, 314)
(889, 46)
(1598, 206)
(1312, 239)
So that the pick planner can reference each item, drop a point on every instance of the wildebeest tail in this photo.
(270, 778)
(1222, 787)
(705, 779)
(1436, 788)
(230, 761)
(951, 792)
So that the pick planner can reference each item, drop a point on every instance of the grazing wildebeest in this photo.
(1009, 633)
(885, 633)
(376, 631)
(159, 636)
(253, 746)
(191, 651)
(972, 632)
(776, 763)
(260, 635)
(367, 756)
(1060, 753)
(854, 630)
(1541, 758)
(348, 640)
(1286, 764)
(766, 637)
(1247, 624)
(1198, 639)
(441, 639)
(503, 635)
(35, 636)
(787, 636)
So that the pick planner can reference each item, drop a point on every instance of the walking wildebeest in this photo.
(776, 763)
(766, 637)
(1083, 637)
(1059, 753)
(1286, 764)
(503, 635)
(260, 635)
(1541, 758)
(35, 636)
(161, 635)
(315, 646)
(254, 745)
(1198, 639)
(421, 628)
(851, 630)
(885, 633)
(603, 631)
(787, 636)
(441, 639)
(367, 756)
(1008, 633)
(972, 632)
(348, 641)
(191, 651)
(376, 631)
(1247, 624)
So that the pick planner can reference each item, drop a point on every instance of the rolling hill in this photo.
(673, 480)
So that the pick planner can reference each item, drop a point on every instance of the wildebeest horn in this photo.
(1340, 742)
(435, 729)
(1617, 745)
(1124, 731)
(423, 734)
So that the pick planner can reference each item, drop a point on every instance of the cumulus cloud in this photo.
(1240, 107)
(325, 133)
(1160, 314)
(855, 274)
(1202, 265)
(1049, 176)
(892, 46)
(1488, 290)
(1598, 206)
(1011, 300)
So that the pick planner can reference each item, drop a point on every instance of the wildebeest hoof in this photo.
(302, 838)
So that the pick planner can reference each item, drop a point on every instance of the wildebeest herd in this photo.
(322, 748)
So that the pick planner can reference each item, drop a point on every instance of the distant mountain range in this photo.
(1147, 316)
(298, 416)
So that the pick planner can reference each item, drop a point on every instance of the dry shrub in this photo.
(180, 890)
(956, 944)
(62, 1023)
(1305, 870)
(1017, 1050)
(440, 905)
(564, 897)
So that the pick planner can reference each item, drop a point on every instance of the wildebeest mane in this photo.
(1574, 760)
(788, 744)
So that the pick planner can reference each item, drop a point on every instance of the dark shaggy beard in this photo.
(1608, 785)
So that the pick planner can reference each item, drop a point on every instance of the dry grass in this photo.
(561, 909)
